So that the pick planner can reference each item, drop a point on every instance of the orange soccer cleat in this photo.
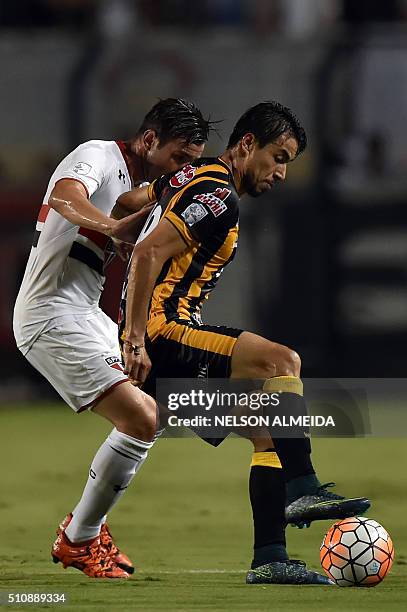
(91, 558)
(106, 540)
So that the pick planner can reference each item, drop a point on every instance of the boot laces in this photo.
(107, 540)
(322, 491)
(95, 557)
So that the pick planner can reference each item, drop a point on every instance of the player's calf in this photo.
(279, 367)
(307, 499)
(112, 470)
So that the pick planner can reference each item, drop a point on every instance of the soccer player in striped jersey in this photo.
(188, 240)
(61, 330)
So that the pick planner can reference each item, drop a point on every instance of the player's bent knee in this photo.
(141, 425)
(279, 360)
(131, 411)
(292, 363)
(256, 357)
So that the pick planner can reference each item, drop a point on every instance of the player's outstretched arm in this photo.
(69, 199)
(147, 261)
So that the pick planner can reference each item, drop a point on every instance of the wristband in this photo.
(135, 348)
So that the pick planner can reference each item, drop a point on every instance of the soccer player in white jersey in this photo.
(61, 330)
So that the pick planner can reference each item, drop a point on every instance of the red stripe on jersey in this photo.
(43, 214)
(99, 239)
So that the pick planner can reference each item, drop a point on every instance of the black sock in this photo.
(294, 452)
(295, 456)
(267, 498)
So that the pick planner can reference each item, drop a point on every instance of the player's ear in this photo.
(247, 143)
(150, 140)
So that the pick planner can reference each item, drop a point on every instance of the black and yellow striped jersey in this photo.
(201, 202)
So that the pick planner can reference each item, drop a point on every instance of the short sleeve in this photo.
(87, 164)
(206, 208)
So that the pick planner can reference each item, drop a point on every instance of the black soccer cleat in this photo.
(286, 572)
(323, 505)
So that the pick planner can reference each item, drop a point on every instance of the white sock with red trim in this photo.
(114, 466)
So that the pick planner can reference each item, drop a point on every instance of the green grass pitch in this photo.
(185, 521)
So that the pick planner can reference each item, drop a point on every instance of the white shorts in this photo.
(80, 357)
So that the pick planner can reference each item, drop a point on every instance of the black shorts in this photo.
(184, 349)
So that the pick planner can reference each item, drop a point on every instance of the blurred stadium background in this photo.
(323, 260)
(322, 264)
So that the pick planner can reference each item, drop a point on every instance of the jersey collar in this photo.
(224, 164)
(123, 150)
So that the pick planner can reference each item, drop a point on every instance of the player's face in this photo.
(267, 165)
(171, 156)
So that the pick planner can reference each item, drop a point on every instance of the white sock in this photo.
(114, 466)
(158, 433)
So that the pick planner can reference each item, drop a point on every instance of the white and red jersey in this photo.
(65, 269)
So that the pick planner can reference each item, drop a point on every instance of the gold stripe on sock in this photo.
(266, 459)
(280, 384)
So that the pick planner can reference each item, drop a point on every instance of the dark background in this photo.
(322, 264)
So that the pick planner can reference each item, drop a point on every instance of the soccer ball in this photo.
(357, 551)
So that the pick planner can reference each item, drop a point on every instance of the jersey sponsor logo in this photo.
(214, 200)
(114, 362)
(194, 213)
(82, 168)
(121, 176)
(183, 176)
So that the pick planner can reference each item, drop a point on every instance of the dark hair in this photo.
(267, 121)
(176, 118)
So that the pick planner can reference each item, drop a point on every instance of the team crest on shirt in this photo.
(82, 168)
(214, 200)
(114, 362)
(194, 213)
(183, 177)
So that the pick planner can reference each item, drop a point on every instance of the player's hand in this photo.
(123, 249)
(136, 364)
(129, 228)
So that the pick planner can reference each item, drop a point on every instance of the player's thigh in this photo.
(256, 357)
(184, 350)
